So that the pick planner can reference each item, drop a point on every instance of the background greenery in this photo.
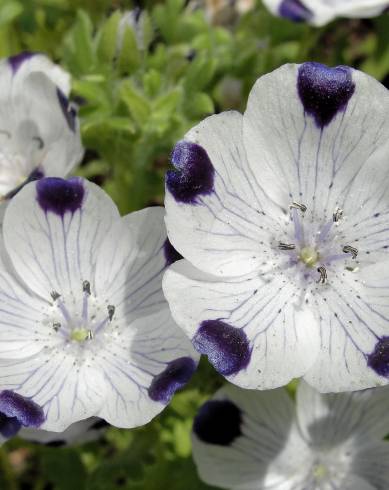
(139, 92)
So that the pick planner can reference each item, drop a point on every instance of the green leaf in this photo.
(63, 468)
(137, 104)
(9, 11)
(107, 44)
(199, 104)
(78, 50)
(129, 58)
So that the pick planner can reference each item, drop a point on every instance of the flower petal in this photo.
(25, 410)
(371, 464)
(330, 420)
(53, 230)
(146, 357)
(253, 331)
(314, 134)
(247, 439)
(354, 323)
(217, 216)
(68, 389)
(78, 433)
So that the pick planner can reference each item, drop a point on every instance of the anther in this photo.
(323, 274)
(338, 215)
(54, 295)
(111, 312)
(56, 326)
(86, 287)
(286, 246)
(347, 249)
(89, 335)
(298, 205)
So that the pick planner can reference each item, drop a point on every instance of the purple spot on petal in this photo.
(27, 412)
(59, 195)
(171, 254)
(175, 376)
(294, 10)
(218, 422)
(193, 174)
(378, 360)
(68, 110)
(324, 91)
(9, 426)
(227, 347)
(17, 60)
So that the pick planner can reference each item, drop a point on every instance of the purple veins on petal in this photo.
(17, 60)
(218, 422)
(226, 347)
(378, 360)
(171, 254)
(193, 175)
(294, 10)
(24, 410)
(68, 110)
(59, 195)
(176, 374)
(324, 91)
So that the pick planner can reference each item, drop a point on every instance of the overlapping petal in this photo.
(253, 331)
(320, 12)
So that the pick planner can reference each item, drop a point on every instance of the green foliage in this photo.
(140, 89)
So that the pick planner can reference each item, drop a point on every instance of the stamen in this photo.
(86, 287)
(323, 274)
(286, 246)
(338, 215)
(56, 326)
(348, 249)
(54, 295)
(111, 312)
(89, 335)
(298, 205)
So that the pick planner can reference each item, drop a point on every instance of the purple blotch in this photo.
(68, 110)
(36, 174)
(294, 10)
(227, 347)
(176, 374)
(59, 195)
(218, 422)
(17, 60)
(9, 426)
(171, 254)
(378, 360)
(193, 174)
(324, 91)
(16, 411)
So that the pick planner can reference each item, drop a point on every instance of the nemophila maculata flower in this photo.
(320, 12)
(39, 131)
(85, 329)
(17, 412)
(281, 215)
(250, 440)
(82, 432)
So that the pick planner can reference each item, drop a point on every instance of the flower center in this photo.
(309, 256)
(320, 472)
(314, 251)
(79, 319)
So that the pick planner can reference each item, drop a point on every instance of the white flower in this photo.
(282, 215)
(78, 433)
(248, 440)
(320, 12)
(39, 131)
(84, 327)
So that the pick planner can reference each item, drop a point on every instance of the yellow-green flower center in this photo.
(79, 334)
(320, 472)
(309, 256)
